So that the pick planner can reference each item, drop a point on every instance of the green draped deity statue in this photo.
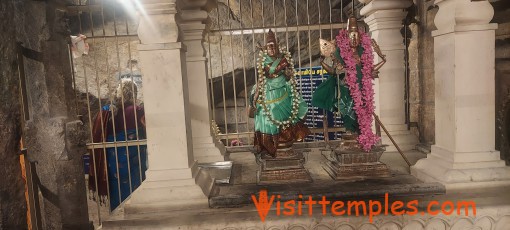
(275, 103)
(349, 90)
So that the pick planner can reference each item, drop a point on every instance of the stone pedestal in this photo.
(170, 183)
(286, 168)
(384, 18)
(464, 154)
(205, 148)
(349, 162)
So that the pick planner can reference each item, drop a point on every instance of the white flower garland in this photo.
(262, 84)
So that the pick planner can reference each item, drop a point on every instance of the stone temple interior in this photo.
(171, 114)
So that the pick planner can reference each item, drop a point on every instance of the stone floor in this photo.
(493, 204)
(493, 213)
(243, 183)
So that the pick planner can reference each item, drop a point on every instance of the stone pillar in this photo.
(169, 184)
(464, 154)
(205, 147)
(384, 18)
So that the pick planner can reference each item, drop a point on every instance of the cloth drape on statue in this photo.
(279, 103)
(326, 95)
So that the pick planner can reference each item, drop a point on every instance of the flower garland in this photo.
(364, 98)
(261, 88)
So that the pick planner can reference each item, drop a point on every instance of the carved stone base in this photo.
(286, 168)
(351, 163)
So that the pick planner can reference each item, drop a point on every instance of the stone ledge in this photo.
(465, 28)
(490, 217)
(400, 185)
(430, 170)
(162, 46)
(405, 140)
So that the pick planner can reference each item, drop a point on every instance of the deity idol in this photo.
(353, 96)
(275, 103)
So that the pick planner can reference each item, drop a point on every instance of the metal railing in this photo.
(111, 38)
(110, 99)
(235, 32)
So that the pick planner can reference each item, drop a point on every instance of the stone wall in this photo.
(502, 17)
(54, 134)
(233, 57)
(421, 68)
(12, 199)
(112, 40)
(97, 74)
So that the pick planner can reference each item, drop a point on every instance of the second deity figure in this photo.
(279, 112)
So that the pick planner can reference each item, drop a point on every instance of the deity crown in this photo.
(271, 38)
(352, 24)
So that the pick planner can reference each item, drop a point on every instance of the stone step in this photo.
(392, 148)
(156, 194)
(395, 133)
(177, 205)
(401, 138)
(182, 182)
(405, 142)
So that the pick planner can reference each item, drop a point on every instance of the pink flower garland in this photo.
(364, 98)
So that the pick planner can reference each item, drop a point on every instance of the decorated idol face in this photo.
(272, 49)
(327, 47)
(354, 39)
